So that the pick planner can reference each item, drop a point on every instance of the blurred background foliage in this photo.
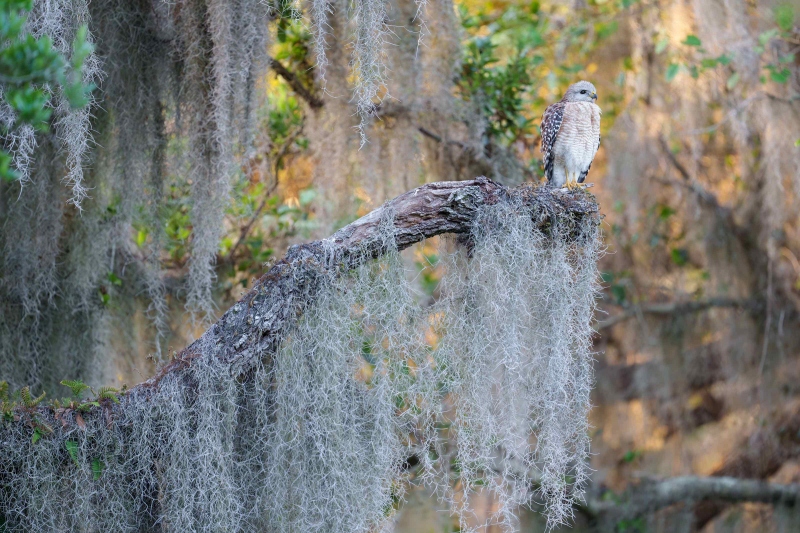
(698, 176)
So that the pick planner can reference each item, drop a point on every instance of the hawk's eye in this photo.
(583, 91)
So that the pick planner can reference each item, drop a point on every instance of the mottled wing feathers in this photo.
(582, 177)
(551, 123)
(584, 173)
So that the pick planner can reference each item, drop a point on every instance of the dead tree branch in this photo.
(296, 85)
(729, 489)
(740, 480)
(706, 198)
(650, 497)
(674, 308)
(253, 328)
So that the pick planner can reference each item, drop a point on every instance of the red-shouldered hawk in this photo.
(571, 135)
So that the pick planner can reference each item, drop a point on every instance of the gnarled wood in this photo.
(257, 323)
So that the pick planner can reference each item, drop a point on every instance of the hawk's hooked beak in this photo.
(594, 96)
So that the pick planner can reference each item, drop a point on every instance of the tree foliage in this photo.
(31, 69)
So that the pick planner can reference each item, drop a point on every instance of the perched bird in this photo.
(571, 135)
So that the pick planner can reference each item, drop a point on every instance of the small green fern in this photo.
(72, 449)
(108, 393)
(87, 406)
(6, 405)
(76, 386)
(97, 468)
(28, 399)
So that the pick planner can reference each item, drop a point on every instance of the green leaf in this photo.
(307, 196)
(72, 450)
(605, 30)
(114, 279)
(76, 386)
(767, 36)
(631, 455)
(780, 77)
(87, 406)
(665, 212)
(77, 94)
(692, 40)
(619, 293)
(108, 393)
(797, 143)
(6, 172)
(661, 45)
(733, 80)
(672, 71)
(636, 525)
(97, 468)
(784, 16)
(141, 237)
(37, 434)
(679, 256)
(29, 103)
(627, 63)
(81, 49)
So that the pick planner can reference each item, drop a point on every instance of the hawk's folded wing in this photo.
(551, 123)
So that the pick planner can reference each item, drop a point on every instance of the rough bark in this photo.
(256, 324)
